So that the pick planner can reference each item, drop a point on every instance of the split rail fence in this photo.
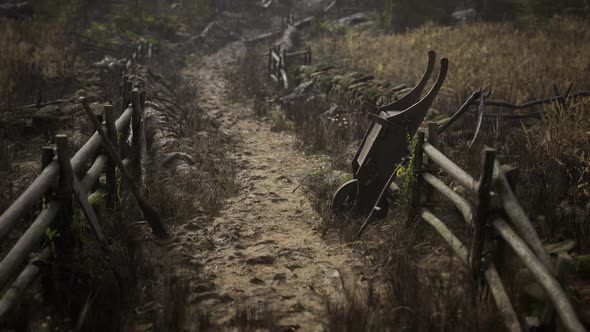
(496, 214)
(279, 61)
(54, 190)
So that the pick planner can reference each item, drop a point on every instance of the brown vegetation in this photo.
(34, 55)
(518, 63)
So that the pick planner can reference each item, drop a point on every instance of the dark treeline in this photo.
(401, 14)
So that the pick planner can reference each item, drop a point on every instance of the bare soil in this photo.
(263, 250)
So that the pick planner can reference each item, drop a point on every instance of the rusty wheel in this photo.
(345, 198)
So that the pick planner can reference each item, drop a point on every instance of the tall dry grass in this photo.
(33, 52)
(519, 63)
(554, 155)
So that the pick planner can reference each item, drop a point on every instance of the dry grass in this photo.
(255, 318)
(320, 186)
(422, 288)
(556, 179)
(249, 82)
(519, 63)
(32, 52)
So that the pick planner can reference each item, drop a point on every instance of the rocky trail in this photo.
(263, 251)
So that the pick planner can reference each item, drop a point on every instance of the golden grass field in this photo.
(518, 63)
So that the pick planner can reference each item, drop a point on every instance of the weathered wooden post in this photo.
(269, 63)
(100, 118)
(433, 138)
(4, 153)
(484, 190)
(414, 205)
(65, 191)
(284, 56)
(112, 133)
(128, 87)
(47, 155)
(272, 62)
(434, 141)
(277, 68)
(501, 250)
(136, 129)
(148, 211)
(142, 101)
(143, 148)
(124, 93)
(123, 147)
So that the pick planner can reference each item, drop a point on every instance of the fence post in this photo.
(269, 63)
(124, 93)
(149, 213)
(284, 59)
(433, 134)
(481, 216)
(434, 141)
(272, 64)
(47, 155)
(278, 64)
(128, 88)
(279, 67)
(142, 101)
(112, 133)
(136, 138)
(417, 174)
(501, 250)
(66, 190)
(143, 147)
(125, 97)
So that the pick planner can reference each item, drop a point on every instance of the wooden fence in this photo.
(54, 191)
(497, 213)
(279, 61)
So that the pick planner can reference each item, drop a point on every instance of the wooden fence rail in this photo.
(63, 171)
(279, 61)
(492, 193)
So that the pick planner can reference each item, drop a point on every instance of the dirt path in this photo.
(267, 253)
